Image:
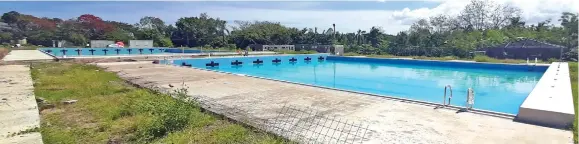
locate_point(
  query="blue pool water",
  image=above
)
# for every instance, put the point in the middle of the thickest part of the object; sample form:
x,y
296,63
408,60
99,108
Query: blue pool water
x,y
498,87
75,52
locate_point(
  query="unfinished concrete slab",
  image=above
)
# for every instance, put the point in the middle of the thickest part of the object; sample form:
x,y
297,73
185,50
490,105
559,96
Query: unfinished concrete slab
x,y
551,101
390,121
18,108
26,55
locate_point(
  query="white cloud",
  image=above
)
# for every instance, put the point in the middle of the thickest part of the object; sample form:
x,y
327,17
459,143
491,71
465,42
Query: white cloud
x,y
392,21
306,15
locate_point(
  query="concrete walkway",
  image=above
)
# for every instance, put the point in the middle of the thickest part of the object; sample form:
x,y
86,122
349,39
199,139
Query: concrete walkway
x,y
18,109
390,121
26,55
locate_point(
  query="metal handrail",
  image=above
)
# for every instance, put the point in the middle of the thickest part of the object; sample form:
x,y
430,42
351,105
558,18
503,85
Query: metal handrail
x,y
449,88
469,99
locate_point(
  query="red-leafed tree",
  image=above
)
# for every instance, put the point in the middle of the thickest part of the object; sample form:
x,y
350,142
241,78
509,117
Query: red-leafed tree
x,y
43,23
36,30
40,30
94,26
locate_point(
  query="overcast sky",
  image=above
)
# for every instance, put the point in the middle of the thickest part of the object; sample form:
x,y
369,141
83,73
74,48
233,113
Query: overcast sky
x,y
349,16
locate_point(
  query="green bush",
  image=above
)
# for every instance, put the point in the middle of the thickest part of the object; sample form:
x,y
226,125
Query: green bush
x,y
551,60
232,46
570,56
480,58
573,75
110,110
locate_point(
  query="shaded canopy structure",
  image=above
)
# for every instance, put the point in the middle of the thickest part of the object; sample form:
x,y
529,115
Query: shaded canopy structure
x,y
525,48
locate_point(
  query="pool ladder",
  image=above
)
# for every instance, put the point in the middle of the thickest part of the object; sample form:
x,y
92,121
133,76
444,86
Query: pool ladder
x,y
532,66
447,88
469,98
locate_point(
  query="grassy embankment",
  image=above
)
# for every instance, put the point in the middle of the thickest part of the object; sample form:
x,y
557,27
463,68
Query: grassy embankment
x,y
573,73
110,111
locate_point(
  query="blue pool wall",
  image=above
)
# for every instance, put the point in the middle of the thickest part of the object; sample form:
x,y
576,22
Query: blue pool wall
x,y
226,61
473,65
112,51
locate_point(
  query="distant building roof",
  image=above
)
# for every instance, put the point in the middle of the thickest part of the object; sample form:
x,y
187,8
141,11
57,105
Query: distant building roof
x,y
528,43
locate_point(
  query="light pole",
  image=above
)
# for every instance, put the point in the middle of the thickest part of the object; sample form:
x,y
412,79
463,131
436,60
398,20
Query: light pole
x,y
334,39
334,25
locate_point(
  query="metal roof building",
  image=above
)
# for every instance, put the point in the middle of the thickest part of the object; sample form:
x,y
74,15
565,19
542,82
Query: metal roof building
x,y
525,48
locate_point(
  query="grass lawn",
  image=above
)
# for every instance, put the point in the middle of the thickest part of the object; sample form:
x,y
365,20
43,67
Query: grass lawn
x,y
573,73
110,111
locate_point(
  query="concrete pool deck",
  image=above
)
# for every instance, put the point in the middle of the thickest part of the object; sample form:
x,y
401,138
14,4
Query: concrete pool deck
x,y
18,108
390,121
26,55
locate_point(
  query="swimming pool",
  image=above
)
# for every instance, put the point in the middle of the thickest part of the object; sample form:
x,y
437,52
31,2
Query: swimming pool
x,y
76,52
498,87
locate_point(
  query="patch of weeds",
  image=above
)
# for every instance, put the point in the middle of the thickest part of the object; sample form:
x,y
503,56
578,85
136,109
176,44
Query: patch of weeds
x,y
45,105
480,58
230,134
573,76
109,110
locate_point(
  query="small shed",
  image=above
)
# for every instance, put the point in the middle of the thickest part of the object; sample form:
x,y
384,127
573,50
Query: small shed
x,y
100,43
525,48
140,43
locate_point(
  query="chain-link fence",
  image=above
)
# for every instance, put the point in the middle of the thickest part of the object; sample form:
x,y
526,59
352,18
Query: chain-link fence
x,y
296,124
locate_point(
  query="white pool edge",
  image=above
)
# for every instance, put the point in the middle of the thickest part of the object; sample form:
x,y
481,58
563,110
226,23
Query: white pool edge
x,y
550,103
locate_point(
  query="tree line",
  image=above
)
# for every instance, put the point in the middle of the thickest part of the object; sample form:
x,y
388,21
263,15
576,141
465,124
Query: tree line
x,y
480,24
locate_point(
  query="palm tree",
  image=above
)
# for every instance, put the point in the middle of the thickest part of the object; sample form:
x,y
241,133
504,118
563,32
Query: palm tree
x,y
315,35
362,35
373,36
358,36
